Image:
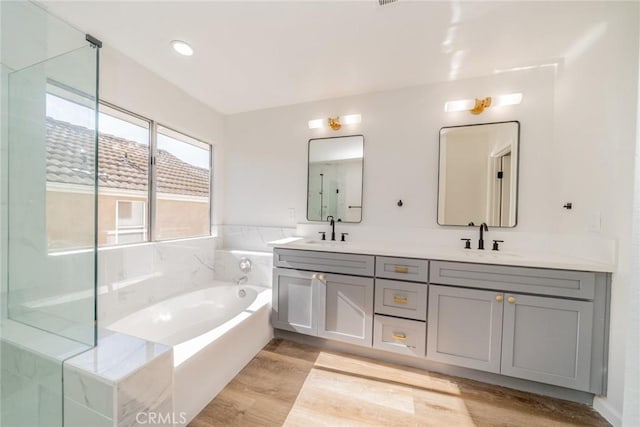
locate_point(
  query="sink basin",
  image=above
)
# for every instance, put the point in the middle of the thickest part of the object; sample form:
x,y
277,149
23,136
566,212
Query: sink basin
x,y
486,254
327,243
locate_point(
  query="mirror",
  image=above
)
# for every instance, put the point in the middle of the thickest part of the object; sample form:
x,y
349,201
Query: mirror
x,y
334,184
478,174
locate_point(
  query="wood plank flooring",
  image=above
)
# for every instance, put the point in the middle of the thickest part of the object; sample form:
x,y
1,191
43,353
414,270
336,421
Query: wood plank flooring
x,y
291,384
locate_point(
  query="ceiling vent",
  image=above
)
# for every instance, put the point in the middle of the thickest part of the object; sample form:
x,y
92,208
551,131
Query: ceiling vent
x,y
386,2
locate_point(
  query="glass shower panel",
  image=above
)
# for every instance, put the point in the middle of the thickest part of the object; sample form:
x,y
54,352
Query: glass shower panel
x,y
48,197
51,196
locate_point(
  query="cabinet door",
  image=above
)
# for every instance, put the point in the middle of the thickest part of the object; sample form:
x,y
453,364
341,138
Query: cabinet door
x,y
464,327
547,340
293,300
345,308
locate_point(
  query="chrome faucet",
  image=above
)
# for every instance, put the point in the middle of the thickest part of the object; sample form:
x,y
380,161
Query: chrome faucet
x,y
242,280
332,223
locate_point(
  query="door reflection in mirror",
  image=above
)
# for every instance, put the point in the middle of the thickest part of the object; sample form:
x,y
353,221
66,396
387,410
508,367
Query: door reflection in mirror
x,y
334,185
478,174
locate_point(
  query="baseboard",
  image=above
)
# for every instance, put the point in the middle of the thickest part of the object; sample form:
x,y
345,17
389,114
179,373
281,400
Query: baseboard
x,y
608,412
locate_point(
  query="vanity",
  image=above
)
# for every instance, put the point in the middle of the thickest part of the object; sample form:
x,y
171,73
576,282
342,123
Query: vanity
x,y
537,322
531,322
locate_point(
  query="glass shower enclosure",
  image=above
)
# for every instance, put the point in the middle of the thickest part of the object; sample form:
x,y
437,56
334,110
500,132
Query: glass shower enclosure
x,y
48,210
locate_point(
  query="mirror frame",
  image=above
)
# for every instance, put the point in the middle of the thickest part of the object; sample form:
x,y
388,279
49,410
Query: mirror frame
x,y
308,178
517,199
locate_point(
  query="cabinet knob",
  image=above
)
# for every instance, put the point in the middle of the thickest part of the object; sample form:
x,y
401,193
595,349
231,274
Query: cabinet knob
x,y
314,276
499,298
321,277
511,300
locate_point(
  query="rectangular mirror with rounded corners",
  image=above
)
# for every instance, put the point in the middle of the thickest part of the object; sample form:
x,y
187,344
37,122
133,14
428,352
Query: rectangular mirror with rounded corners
x,y
334,183
478,174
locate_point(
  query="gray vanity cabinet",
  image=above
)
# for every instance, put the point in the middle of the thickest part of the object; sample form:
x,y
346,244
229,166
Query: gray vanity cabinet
x,y
345,308
315,294
548,340
464,327
293,301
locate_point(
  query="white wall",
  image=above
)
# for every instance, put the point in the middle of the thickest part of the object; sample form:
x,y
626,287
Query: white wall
x,y
631,413
577,145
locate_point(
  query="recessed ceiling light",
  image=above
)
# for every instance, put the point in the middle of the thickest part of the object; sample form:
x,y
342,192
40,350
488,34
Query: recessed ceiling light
x,y
182,48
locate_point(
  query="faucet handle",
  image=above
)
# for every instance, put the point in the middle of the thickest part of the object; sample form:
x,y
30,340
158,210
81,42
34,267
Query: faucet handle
x,y
343,239
467,244
495,244
324,235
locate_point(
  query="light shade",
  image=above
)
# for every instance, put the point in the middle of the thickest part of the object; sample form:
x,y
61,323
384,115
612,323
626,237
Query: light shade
x,y
351,119
509,99
317,123
460,105
183,48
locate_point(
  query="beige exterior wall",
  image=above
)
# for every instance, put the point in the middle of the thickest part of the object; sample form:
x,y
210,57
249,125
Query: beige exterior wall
x,y
70,219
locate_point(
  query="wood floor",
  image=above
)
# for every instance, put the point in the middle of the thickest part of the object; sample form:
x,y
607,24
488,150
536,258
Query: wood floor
x,y
297,385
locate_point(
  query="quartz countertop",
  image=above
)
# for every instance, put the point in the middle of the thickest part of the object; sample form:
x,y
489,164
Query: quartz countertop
x,y
487,256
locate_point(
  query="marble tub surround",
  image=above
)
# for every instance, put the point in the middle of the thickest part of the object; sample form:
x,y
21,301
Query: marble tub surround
x,y
111,384
519,248
251,237
228,270
134,276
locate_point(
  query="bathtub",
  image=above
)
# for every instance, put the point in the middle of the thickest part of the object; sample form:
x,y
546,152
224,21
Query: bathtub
x,y
214,333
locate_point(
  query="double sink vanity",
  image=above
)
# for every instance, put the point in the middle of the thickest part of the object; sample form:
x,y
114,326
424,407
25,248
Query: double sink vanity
x,y
538,322
500,313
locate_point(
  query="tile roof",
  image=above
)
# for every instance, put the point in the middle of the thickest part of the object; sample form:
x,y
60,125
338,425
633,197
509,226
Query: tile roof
x,y
123,164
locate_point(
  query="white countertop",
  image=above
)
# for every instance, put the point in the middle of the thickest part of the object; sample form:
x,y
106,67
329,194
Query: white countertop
x,y
521,259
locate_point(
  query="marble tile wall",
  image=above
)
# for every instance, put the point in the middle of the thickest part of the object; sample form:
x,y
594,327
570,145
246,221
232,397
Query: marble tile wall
x,y
251,238
228,270
133,277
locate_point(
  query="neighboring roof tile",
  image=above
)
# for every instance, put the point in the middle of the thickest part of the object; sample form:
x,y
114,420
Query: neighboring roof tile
x,y
123,163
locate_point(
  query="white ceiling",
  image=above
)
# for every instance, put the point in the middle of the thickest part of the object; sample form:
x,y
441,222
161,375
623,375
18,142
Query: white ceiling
x,y
255,55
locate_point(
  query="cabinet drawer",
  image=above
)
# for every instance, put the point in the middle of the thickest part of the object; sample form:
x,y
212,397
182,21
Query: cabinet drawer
x,y
560,283
329,262
415,270
402,299
399,335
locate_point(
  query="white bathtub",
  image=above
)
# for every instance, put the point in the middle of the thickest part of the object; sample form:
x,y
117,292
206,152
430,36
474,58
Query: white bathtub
x,y
214,332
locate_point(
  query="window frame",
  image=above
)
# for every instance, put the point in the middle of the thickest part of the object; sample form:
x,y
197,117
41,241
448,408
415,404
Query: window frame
x,y
153,205
149,202
152,187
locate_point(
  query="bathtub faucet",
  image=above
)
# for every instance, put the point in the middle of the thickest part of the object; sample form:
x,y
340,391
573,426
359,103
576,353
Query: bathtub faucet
x,y
241,280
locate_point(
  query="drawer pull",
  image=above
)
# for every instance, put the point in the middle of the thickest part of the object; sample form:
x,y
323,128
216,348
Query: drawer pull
x,y
399,300
399,336
401,269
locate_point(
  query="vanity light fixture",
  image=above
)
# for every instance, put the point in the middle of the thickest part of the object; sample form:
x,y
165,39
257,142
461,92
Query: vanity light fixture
x,y
477,106
335,123
183,48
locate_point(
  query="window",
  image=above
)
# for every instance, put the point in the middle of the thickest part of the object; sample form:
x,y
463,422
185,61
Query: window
x,y
131,221
70,174
183,186
138,200
123,177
